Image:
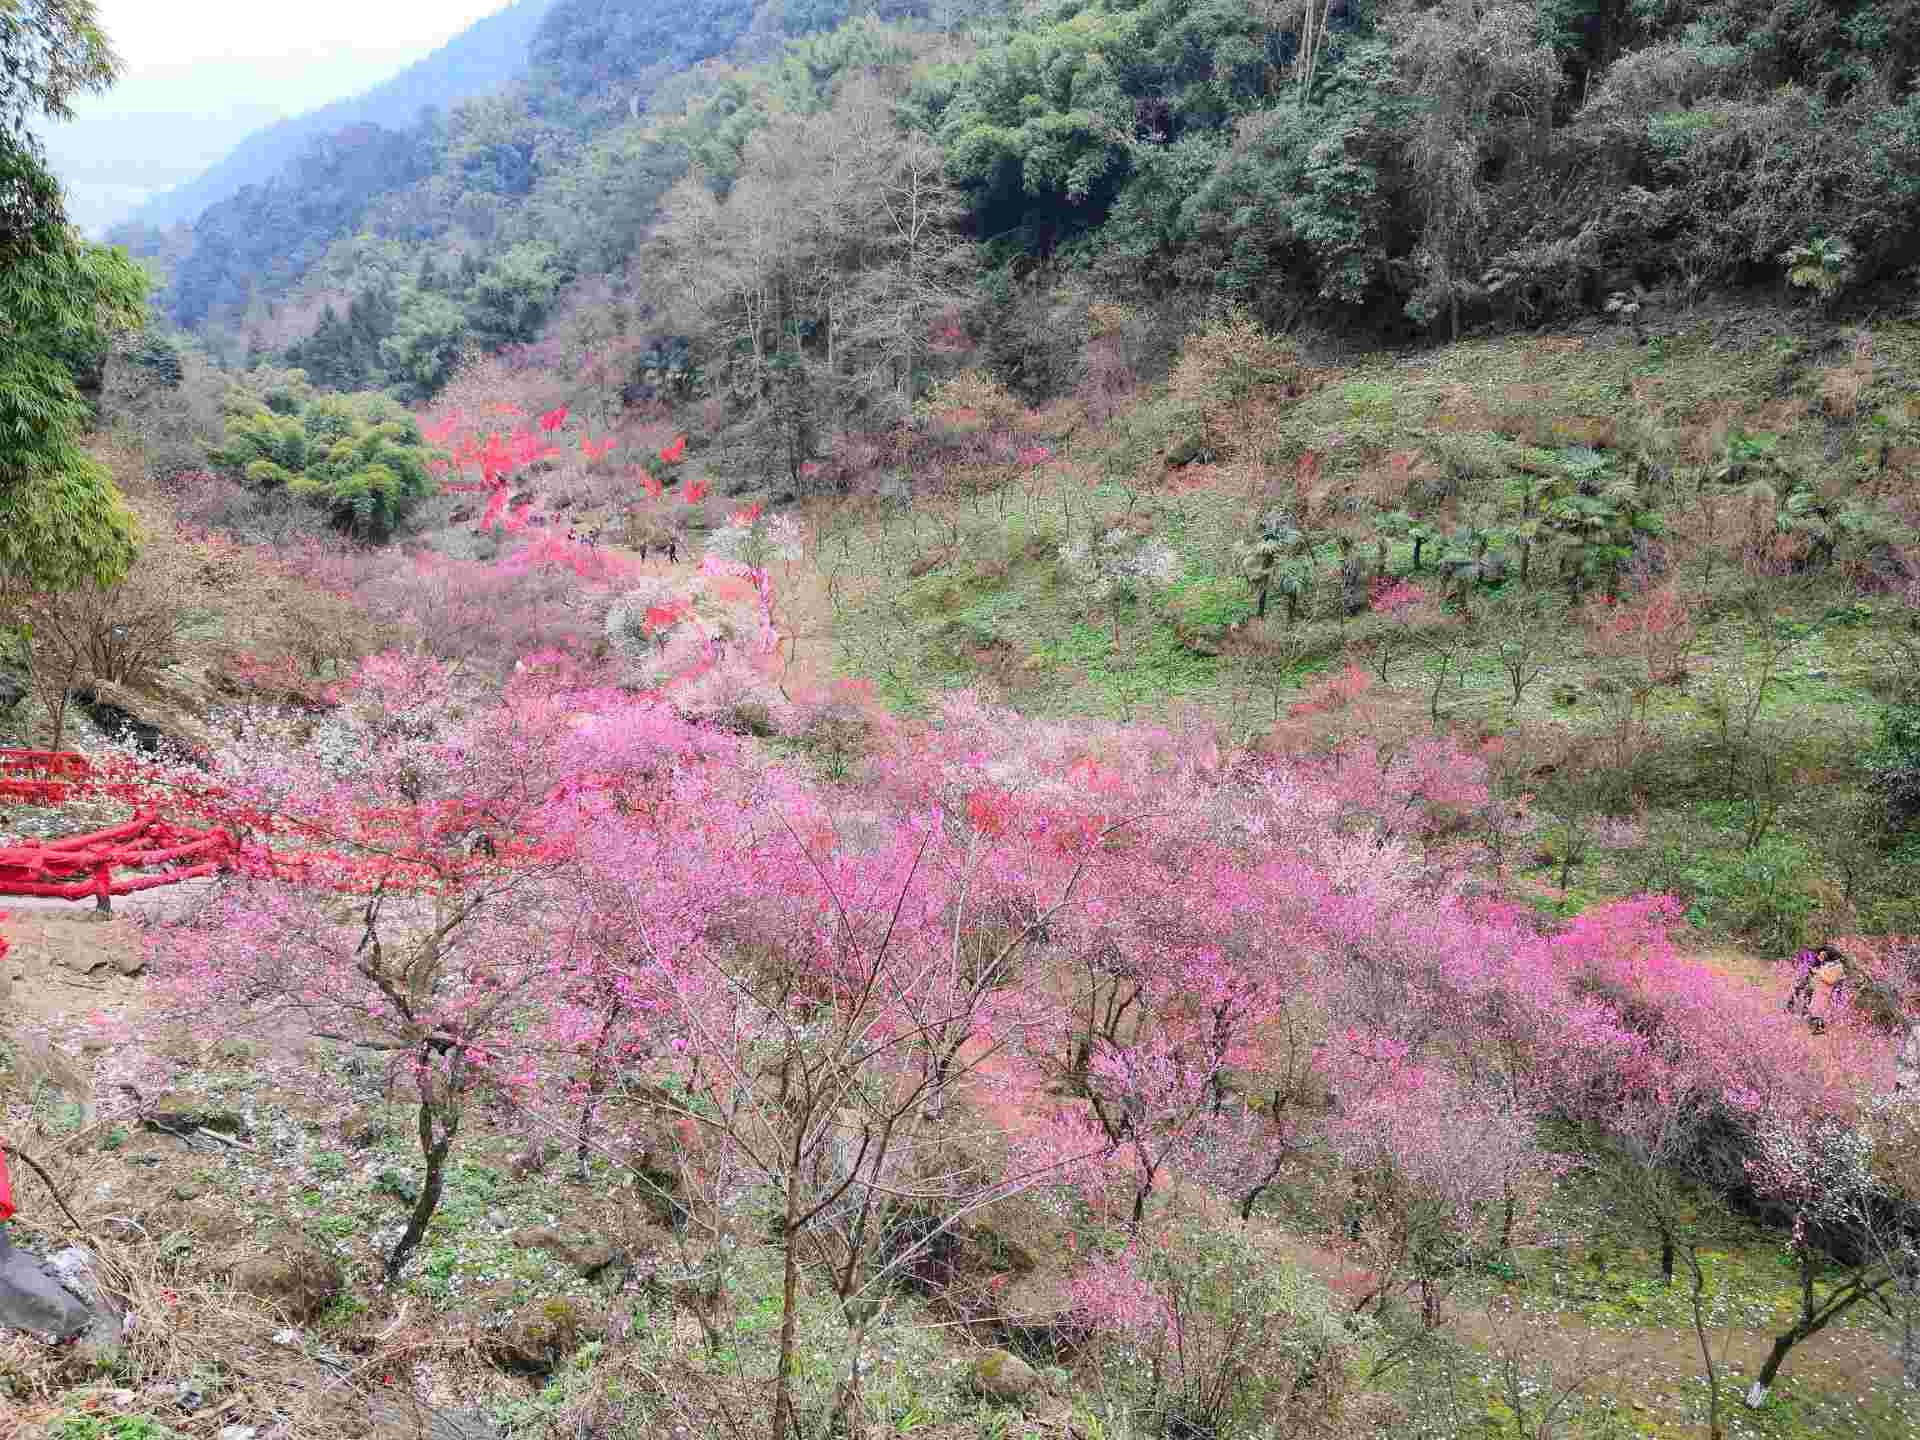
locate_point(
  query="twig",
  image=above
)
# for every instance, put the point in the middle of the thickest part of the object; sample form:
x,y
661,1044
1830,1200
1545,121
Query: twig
x,y
47,1180
198,1130
360,1044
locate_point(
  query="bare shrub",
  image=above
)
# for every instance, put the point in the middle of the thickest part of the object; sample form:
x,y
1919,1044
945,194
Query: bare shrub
x,y
1110,379
120,633
209,503
1217,1338
1228,359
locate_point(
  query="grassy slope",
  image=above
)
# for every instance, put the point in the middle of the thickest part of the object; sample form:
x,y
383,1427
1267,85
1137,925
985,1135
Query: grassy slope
x,y
973,591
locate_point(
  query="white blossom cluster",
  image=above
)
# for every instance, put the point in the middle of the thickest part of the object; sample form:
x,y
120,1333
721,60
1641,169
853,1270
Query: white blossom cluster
x,y
1121,560
338,741
785,540
731,542
1157,563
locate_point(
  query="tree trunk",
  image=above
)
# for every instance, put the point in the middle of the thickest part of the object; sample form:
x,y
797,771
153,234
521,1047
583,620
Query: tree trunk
x,y
1776,1357
596,1082
1909,1288
1429,1304
1813,1319
789,1302
1706,1349
56,697
848,1407
434,1150
1253,1195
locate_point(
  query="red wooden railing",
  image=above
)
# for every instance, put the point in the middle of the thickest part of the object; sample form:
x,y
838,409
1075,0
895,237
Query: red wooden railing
x,y
41,777
229,837
82,866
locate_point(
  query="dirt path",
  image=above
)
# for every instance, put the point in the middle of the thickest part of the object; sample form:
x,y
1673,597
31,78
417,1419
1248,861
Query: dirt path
x,y
61,961
1644,1363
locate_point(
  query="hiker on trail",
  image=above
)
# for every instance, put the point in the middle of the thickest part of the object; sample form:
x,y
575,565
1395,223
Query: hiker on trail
x,y
1822,965
673,550
1801,996
643,552
573,535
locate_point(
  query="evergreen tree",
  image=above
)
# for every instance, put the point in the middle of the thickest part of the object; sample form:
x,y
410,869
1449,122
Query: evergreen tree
x,y
62,522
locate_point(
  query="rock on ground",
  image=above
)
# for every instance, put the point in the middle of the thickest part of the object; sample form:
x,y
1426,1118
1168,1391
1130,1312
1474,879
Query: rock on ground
x,y
100,1339
33,1299
300,1281
587,1254
162,718
537,1339
1004,1377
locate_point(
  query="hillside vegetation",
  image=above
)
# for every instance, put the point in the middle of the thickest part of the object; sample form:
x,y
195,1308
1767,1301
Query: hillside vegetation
x,y
1396,168
1156,721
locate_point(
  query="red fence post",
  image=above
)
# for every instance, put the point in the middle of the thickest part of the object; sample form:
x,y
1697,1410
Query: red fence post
x,y
6,1183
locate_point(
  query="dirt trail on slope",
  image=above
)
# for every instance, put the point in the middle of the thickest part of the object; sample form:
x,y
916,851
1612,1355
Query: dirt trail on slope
x,y
1644,1363
62,962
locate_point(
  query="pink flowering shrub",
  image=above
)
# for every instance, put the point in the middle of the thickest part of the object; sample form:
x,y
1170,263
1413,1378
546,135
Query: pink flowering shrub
x,y
1216,1337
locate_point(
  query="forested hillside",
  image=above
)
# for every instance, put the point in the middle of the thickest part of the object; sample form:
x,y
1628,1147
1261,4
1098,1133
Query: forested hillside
x,y
478,61
1396,169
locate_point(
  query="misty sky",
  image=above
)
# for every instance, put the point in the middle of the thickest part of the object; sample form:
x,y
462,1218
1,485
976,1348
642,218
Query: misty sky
x,y
201,74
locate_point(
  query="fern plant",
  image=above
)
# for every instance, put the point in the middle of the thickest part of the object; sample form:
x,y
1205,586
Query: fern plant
x,y
1823,265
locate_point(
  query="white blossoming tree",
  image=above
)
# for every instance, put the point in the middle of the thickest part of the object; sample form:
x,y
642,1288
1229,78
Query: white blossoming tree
x,y
1119,569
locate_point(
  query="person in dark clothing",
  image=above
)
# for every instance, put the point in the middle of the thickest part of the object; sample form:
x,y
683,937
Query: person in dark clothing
x,y
1808,967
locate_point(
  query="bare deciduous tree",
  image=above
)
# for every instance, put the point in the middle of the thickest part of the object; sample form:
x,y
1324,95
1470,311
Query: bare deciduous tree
x,y
1469,65
818,277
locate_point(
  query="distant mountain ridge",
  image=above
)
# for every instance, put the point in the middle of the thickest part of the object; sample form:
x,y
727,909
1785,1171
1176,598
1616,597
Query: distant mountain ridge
x,y
484,58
